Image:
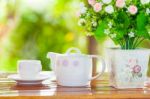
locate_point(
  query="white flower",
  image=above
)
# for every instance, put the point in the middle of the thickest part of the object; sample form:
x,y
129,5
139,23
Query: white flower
x,y
94,23
120,3
82,4
145,1
147,11
110,24
81,22
83,9
89,34
132,9
97,7
131,34
109,9
106,1
112,35
106,31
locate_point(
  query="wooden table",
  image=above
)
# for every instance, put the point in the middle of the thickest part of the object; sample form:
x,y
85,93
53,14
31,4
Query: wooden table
x,y
99,89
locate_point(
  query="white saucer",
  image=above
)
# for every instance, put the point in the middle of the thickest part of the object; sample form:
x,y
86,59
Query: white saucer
x,y
20,81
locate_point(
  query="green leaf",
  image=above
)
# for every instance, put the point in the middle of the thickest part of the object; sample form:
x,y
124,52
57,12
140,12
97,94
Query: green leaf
x,y
120,33
143,33
122,20
99,32
141,22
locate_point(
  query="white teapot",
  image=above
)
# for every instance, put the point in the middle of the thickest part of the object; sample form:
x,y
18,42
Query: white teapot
x,y
74,69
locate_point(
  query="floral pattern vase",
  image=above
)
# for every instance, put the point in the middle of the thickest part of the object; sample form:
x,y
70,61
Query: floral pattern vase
x,y
128,68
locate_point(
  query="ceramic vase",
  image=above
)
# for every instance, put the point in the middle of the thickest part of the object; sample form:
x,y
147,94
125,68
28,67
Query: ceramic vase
x,y
128,68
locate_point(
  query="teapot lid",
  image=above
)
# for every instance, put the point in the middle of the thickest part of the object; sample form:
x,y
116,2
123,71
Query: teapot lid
x,y
76,53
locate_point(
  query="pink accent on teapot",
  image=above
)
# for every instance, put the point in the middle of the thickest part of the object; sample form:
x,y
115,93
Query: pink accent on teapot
x,y
75,63
65,62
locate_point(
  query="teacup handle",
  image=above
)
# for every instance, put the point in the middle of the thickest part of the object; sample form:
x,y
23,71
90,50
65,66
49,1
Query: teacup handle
x,y
103,66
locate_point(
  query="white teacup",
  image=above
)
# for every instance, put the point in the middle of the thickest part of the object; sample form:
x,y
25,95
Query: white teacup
x,y
29,69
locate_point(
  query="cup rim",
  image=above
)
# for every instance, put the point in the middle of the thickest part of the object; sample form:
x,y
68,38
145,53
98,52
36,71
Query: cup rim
x,y
28,60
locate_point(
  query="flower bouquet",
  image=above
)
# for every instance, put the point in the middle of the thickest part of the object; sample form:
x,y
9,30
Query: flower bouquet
x,y
127,23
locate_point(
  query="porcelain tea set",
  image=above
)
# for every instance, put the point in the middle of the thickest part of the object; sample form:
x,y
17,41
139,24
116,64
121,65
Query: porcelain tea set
x,y
71,69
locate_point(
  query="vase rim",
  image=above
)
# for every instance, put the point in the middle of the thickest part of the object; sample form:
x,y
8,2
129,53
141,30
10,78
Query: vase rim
x,y
118,48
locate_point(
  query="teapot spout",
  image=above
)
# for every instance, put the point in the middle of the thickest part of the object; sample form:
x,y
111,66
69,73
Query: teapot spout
x,y
52,57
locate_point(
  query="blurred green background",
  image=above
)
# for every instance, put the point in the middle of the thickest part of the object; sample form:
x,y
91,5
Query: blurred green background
x,y
31,28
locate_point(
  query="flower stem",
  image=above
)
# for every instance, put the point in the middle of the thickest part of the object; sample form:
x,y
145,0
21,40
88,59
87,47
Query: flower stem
x,y
140,41
135,42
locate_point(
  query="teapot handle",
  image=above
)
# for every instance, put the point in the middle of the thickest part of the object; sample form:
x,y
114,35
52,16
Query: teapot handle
x,y
103,66
73,49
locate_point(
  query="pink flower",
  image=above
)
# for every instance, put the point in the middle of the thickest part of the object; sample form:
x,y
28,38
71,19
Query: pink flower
x,y
132,9
133,62
136,69
78,14
97,7
120,3
91,2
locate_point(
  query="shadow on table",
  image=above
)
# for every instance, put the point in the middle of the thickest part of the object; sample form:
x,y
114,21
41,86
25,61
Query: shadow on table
x,y
30,87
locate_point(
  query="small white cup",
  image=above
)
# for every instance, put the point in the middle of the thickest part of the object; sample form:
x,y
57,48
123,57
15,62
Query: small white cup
x,y
29,69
